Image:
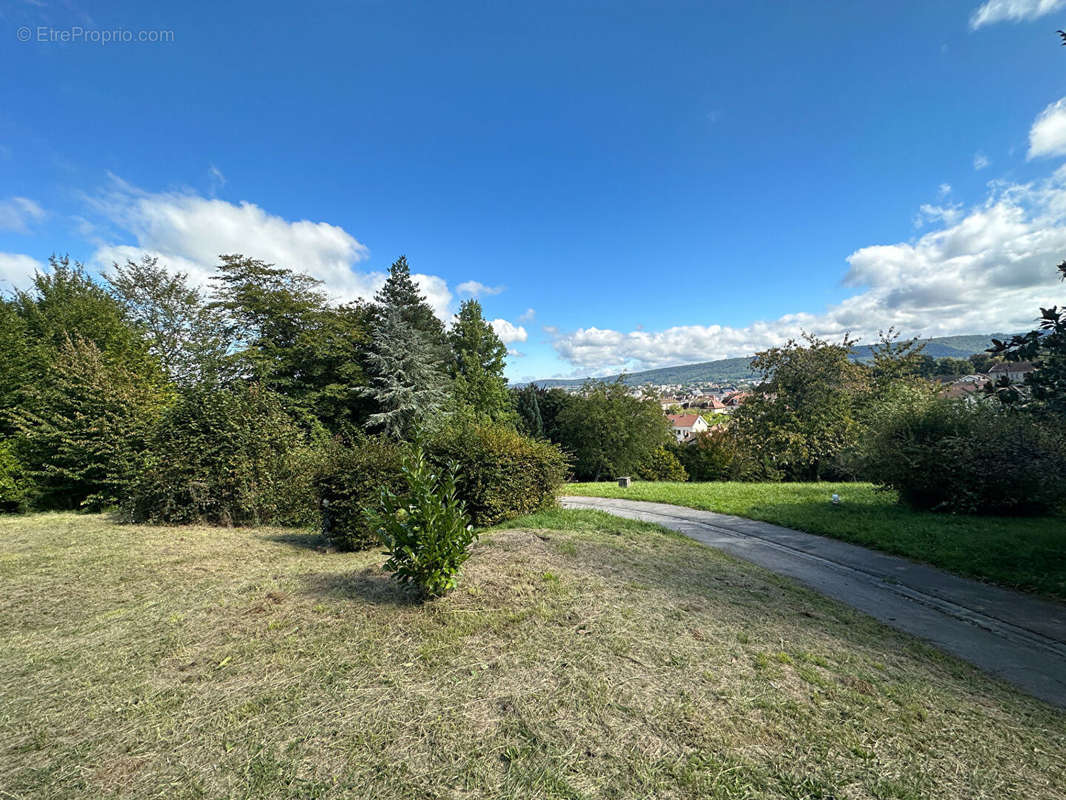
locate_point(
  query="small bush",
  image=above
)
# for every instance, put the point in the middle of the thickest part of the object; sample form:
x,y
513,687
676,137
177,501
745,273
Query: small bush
x,y
350,481
950,455
504,474
662,465
14,486
425,529
230,456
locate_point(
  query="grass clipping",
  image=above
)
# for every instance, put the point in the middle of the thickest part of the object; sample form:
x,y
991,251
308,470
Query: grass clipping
x,y
581,656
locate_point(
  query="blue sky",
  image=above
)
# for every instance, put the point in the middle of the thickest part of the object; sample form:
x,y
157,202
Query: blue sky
x,y
624,185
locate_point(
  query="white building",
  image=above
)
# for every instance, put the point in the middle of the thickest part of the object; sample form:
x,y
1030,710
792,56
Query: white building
x,y
687,426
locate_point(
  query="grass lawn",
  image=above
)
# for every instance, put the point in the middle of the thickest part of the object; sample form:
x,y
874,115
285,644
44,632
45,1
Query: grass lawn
x,y
1028,554
582,656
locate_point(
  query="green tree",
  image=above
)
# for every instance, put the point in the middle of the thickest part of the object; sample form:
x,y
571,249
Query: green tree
x,y
895,360
608,431
182,332
951,367
527,406
981,362
1045,347
478,361
80,428
407,384
407,359
401,292
283,332
805,412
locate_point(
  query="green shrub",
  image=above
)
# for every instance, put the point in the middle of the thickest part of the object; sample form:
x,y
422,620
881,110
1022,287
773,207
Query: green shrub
x,y
229,456
350,481
504,474
424,529
951,455
662,465
717,455
80,429
14,487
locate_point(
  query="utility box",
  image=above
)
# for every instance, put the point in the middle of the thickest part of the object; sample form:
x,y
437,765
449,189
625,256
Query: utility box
x,y
624,482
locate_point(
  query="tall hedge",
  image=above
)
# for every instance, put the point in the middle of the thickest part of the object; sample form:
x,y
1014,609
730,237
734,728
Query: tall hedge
x,y
14,487
349,482
502,474
229,456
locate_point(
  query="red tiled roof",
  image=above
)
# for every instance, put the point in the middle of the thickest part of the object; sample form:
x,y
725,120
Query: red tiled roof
x,y
683,420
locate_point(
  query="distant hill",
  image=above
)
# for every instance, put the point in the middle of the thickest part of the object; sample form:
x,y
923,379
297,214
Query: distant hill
x,y
732,370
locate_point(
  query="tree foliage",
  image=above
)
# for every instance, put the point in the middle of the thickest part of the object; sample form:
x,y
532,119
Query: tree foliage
x,y
477,364
1045,347
805,412
182,332
406,359
79,428
228,455
424,528
608,431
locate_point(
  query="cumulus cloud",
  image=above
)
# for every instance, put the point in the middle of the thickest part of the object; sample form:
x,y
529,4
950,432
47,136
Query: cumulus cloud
x,y
18,214
988,268
188,232
1047,137
509,333
17,270
527,316
980,160
476,289
993,11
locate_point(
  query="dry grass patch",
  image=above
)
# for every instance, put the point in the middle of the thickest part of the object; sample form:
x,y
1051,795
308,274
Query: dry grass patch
x,y
582,656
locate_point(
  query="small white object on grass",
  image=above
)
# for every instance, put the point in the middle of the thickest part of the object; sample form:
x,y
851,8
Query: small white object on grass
x,y
836,499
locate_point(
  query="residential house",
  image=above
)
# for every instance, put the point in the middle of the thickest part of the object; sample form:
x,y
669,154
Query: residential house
x,y
686,426
1014,370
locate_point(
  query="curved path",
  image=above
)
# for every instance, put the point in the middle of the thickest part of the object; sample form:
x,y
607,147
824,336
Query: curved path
x,y
1013,636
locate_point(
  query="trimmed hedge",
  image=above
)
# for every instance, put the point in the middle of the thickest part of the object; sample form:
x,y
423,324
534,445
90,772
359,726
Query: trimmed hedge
x,y
229,456
502,474
350,482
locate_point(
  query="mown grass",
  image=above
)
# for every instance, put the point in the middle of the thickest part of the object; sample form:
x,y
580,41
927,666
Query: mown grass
x,y
1026,554
582,656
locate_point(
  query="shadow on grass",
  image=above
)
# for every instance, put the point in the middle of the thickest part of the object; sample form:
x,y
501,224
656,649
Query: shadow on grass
x,y
368,585
309,540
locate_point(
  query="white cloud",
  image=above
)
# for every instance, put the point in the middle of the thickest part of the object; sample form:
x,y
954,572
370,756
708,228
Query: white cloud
x,y
980,160
18,214
515,353
215,178
989,268
944,189
527,316
946,213
1047,137
476,289
509,333
188,232
17,270
1012,10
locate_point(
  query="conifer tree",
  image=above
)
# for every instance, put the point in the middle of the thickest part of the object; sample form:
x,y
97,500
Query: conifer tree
x,y
406,381
402,293
528,407
478,360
